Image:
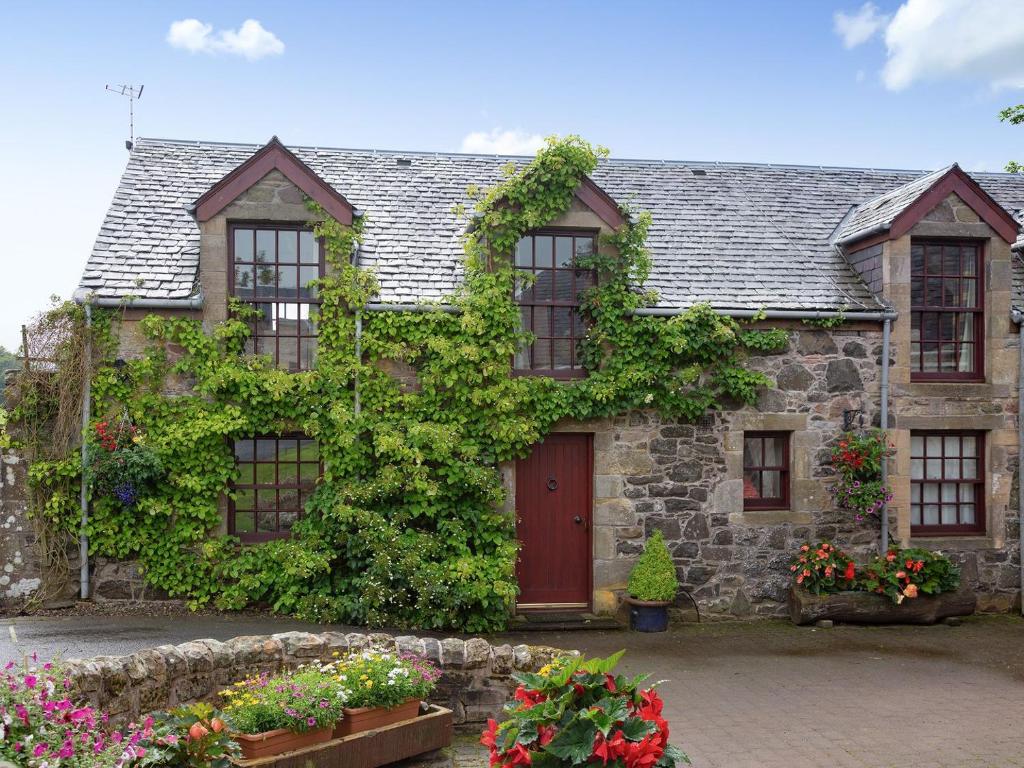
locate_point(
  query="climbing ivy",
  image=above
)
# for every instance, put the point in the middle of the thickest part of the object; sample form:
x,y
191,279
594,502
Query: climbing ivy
x,y
407,526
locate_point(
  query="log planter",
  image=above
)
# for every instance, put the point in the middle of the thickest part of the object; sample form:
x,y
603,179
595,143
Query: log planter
x,y
871,608
427,732
367,718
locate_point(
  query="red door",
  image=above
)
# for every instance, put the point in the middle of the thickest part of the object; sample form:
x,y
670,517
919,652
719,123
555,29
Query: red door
x,y
553,503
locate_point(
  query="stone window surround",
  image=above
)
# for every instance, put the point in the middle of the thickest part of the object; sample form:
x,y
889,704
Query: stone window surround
x,y
773,503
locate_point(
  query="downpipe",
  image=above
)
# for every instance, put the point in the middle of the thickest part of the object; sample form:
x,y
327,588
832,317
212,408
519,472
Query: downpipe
x,y
83,539
883,396
1018,318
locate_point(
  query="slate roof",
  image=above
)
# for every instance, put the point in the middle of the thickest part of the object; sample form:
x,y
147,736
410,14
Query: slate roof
x,y
741,236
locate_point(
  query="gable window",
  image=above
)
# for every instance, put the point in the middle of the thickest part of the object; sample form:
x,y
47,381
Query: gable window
x,y
766,470
274,478
549,306
947,316
272,267
947,484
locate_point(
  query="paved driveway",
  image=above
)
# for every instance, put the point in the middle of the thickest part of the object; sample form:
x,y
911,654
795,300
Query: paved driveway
x,y
763,695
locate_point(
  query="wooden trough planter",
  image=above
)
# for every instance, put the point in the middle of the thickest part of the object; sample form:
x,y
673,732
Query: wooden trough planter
x,y
871,608
427,732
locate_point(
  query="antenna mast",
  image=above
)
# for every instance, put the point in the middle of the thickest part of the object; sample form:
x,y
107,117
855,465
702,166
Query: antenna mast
x,y
132,93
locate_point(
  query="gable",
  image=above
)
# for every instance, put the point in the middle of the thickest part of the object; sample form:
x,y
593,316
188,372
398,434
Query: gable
x,y
273,156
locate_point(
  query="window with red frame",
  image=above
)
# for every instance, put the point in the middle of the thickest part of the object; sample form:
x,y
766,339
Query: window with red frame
x,y
273,267
766,470
947,311
947,482
274,478
549,304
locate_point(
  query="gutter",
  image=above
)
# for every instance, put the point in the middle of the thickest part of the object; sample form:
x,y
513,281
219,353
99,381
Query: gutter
x,y
189,302
1018,318
878,229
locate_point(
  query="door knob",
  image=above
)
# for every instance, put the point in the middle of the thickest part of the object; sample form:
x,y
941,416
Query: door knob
x,y
552,484
578,520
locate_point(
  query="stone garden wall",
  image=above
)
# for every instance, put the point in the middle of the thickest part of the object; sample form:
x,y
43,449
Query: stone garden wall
x,y
476,682
19,565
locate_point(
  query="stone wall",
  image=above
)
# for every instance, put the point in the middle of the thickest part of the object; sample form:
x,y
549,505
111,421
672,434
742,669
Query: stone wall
x,y
19,566
476,681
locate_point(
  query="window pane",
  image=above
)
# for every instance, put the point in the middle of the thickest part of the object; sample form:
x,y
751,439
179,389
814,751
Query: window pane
x,y
930,492
288,353
266,281
931,514
543,288
306,276
915,493
243,450
752,452
308,473
245,473
771,485
266,499
933,469
562,351
245,280
969,261
309,450
309,249
287,282
948,514
266,521
917,469
265,248
542,321
952,469
967,492
245,498
773,451
543,246
287,246
562,322
287,450
967,514
951,259
915,515
266,450
933,445
969,445
933,259
970,469
563,251
584,247
916,445
968,293
244,522
243,245
524,252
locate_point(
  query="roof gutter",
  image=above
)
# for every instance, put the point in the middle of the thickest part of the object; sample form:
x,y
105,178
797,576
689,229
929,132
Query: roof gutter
x,y
376,307
875,230
776,314
189,302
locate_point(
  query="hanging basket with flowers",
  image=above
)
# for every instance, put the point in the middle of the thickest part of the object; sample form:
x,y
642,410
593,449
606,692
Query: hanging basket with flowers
x,y
857,460
121,465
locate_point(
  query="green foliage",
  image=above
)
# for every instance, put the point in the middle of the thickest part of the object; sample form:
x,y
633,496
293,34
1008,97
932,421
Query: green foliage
x,y
857,460
188,737
908,573
1014,116
654,575
382,679
8,361
822,569
303,700
406,527
575,712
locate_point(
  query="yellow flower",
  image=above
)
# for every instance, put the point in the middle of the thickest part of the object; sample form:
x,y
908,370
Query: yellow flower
x,y
369,683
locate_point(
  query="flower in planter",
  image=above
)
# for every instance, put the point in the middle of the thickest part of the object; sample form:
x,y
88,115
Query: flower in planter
x,y
189,737
381,678
121,465
908,573
303,700
575,712
857,459
823,569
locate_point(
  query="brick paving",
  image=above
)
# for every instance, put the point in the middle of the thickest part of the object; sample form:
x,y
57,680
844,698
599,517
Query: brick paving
x,y
769,695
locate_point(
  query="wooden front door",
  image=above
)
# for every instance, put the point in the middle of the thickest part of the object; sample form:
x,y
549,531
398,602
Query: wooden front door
x,y
553,509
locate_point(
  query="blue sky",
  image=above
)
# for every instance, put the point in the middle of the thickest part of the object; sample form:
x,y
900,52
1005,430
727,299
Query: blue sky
x,y
886,85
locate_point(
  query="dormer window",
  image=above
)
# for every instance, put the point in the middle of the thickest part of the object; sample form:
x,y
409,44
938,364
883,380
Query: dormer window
x,y
273,267
947,311
549,305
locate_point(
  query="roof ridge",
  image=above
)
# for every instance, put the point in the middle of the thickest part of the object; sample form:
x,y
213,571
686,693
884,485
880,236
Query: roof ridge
x,y
491,156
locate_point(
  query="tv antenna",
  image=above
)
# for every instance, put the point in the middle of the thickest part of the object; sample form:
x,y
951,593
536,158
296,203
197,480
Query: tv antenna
x,y
132,93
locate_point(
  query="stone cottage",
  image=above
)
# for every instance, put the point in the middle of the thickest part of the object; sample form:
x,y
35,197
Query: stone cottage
x,y
926,263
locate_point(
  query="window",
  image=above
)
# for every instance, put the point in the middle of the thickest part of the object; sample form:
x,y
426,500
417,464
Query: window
x,y
275,476
549,307
272,267
947,317
947,484
766,470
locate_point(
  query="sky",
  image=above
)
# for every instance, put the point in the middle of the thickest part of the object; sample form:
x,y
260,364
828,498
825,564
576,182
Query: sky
x,y
915,84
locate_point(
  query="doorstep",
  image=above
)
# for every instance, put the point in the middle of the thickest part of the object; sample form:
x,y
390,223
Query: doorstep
x,y
560,621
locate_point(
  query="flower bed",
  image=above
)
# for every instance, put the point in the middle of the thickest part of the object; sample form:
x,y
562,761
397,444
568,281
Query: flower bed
x,y
574,712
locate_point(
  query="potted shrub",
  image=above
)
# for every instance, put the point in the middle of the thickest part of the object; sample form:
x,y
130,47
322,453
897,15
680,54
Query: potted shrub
x,y
575,712
652,587
271,715
380,688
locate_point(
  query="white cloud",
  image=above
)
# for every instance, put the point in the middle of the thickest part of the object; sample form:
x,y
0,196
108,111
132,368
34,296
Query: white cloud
x,y
250,40
499,142
937,39
859,27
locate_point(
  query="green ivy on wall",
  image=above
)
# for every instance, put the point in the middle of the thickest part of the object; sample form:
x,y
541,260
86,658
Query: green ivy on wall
x,y
407,526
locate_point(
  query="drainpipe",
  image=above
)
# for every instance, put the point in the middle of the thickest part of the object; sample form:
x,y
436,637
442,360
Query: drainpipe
x,y
359,359
83,540
1018,318
883,395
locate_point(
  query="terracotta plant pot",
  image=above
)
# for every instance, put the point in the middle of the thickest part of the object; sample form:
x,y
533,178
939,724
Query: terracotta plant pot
x,y
368,718
647,615
276,742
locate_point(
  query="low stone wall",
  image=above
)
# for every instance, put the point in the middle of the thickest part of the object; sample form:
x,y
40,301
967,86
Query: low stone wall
x,y
476,682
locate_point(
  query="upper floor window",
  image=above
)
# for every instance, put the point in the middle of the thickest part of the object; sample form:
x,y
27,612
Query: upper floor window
x,y
766,470
273,267
549,306
947,482
274,478
947,311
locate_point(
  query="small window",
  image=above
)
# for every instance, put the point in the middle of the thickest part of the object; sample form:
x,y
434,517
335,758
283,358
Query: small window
x,y
947,312
947,483
274,478
273,267
766,470
549,306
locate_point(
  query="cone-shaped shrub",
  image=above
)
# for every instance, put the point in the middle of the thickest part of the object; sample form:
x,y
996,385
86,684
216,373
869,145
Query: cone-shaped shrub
x,y
654,575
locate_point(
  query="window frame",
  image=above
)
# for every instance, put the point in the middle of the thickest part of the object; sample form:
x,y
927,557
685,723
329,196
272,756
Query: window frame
x,y
778,503
917,310
576,370
277,226
980,483
256,536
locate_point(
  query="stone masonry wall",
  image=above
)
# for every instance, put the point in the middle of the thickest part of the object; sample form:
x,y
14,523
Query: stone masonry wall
x,y
476,681
19,566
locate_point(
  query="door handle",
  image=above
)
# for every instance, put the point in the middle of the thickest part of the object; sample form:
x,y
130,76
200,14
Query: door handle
x,y
552,484
578,520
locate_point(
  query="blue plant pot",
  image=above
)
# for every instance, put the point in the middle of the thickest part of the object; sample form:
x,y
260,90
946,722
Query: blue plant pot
x,y
647,616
